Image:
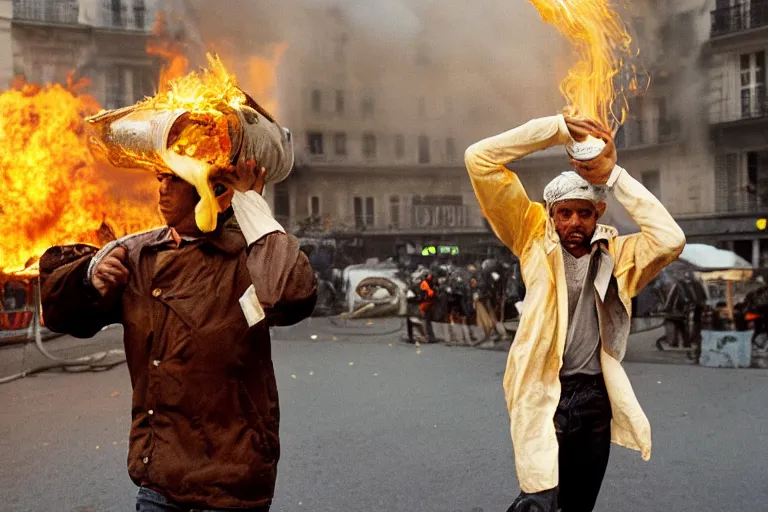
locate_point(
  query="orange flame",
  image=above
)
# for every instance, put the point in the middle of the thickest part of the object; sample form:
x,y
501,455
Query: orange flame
x,y
262,78
169,49
200,92
53,190
593,87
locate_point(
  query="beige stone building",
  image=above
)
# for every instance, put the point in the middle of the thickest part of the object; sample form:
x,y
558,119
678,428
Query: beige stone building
x,y
45,41
380,133
381,122
382,160
697,137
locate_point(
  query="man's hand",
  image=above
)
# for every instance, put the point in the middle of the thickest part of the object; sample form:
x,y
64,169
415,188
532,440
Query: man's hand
x,y
245,176
111,276
599,169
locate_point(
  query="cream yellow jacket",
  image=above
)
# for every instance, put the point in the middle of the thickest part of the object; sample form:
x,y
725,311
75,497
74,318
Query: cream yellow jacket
x,y
531,381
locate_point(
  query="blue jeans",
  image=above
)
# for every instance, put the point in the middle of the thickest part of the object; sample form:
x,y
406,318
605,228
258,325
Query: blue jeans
x,y
152,501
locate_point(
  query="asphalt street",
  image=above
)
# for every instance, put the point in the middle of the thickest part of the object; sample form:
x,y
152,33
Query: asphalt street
x,y
372,424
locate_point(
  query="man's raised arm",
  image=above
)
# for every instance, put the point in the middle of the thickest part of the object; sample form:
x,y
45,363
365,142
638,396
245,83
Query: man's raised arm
x,y
513,216
660,241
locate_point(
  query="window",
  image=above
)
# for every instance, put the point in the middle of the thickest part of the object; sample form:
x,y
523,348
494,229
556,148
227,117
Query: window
x,y
317,101
340,143
314,206
369,145
368,106
282,202
394,211
423,149
450,149
399,146
128,84
752,84
363,212
339,102
116,78
652,181
315,143
339,46
757,180
369,211
117,13
726,182
139,14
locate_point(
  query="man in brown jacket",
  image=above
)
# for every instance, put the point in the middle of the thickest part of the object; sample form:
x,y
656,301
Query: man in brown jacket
x,y
196,310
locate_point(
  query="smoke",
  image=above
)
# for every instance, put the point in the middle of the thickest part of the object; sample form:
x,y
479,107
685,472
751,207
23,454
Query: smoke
x,y
498,61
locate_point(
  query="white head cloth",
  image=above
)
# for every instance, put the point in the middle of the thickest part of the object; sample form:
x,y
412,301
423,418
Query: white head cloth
x,y
569,185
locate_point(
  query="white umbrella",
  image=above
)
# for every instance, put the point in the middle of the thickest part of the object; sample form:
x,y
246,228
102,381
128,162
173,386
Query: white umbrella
x,y
707,258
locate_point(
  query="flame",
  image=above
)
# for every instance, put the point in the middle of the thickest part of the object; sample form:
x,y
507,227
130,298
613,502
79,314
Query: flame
x,y
53,190
257,72
203,92
169,49
262,78
600,38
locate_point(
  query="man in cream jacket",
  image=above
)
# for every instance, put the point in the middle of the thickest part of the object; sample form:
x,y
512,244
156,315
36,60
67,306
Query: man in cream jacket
x,y
567,394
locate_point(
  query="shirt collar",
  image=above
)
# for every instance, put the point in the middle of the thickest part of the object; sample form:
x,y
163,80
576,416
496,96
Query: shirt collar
x,y
602,233
227,238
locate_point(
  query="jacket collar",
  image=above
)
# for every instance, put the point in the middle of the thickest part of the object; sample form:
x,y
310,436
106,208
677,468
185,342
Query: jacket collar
x,y
603,233
227,238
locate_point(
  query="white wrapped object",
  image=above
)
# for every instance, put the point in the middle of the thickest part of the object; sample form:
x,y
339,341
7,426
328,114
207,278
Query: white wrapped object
x,y
254,216
586,149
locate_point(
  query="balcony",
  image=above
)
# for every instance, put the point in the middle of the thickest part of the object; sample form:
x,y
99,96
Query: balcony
x,y
748,110
116,15
739,18
109,14
63,12
637,133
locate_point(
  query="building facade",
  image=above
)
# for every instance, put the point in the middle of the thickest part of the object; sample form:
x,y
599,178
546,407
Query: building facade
x,y
380,132
696,137
105,41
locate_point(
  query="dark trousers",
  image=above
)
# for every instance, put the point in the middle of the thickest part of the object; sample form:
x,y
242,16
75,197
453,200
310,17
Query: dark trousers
x,y
583,427
426,315
149,500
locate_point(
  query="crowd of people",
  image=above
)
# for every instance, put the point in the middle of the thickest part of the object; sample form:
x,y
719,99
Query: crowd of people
x,y
482,294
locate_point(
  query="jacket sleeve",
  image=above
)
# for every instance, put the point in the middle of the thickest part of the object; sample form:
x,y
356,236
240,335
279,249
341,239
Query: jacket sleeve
x,y
282,278
642,256
71,305
513,216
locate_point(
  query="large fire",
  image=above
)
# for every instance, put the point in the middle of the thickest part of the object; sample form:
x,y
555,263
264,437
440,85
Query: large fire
x,y
597,84
54,192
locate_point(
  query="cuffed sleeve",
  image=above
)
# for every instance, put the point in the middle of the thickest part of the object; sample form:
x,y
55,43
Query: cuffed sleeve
x,y
71,305
283,279
254,216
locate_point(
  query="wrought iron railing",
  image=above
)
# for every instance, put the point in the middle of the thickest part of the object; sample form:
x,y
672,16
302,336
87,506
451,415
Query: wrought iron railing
x,y
111,15
742,16
739,110
63,12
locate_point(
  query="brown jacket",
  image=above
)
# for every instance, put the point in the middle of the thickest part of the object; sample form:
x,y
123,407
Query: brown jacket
x,y
205,409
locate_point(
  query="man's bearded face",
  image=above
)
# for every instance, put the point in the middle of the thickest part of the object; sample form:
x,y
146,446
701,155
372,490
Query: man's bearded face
x,y
177,199
576,221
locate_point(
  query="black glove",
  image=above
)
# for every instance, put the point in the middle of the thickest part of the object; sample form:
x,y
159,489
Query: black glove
x,y
545,501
